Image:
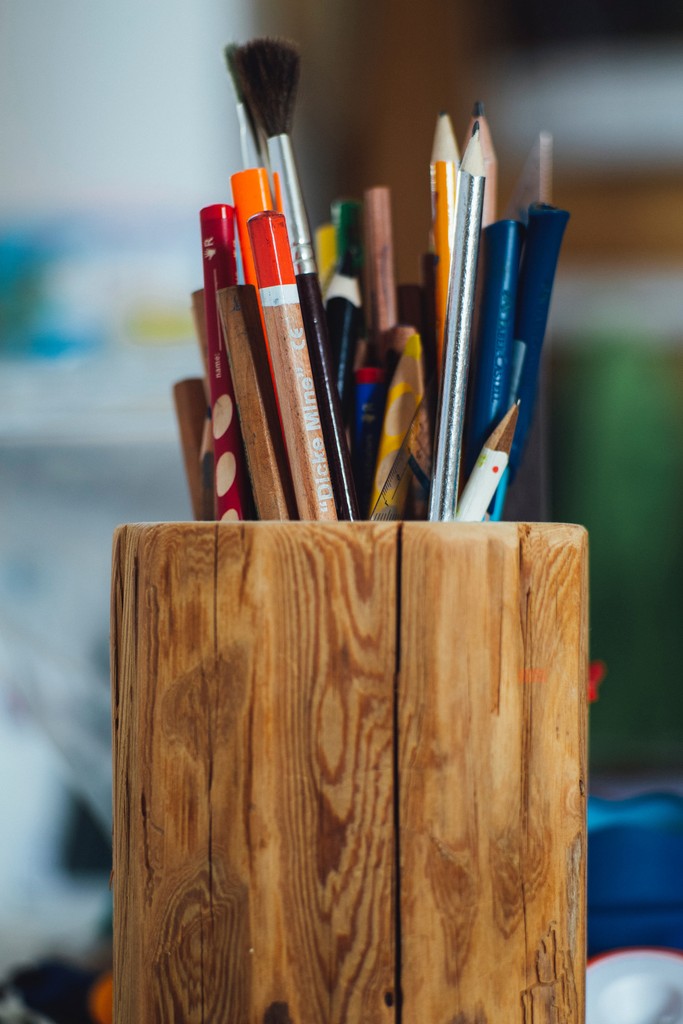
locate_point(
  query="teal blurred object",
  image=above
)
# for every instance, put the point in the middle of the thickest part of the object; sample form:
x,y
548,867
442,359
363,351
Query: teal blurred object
x,y
45,306
660,811
635,882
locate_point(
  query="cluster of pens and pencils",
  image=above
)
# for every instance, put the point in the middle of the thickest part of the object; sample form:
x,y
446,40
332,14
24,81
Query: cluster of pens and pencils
x,y
331,392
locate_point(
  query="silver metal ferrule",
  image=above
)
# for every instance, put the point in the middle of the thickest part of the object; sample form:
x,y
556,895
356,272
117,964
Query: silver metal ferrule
x,y
450,415
283,165
250,157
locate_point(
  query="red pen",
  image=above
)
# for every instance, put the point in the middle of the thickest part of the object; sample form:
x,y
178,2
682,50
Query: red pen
x,y
220,271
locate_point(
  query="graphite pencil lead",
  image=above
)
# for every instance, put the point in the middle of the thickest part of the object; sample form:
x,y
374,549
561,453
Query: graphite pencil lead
x,y
473,158
490,163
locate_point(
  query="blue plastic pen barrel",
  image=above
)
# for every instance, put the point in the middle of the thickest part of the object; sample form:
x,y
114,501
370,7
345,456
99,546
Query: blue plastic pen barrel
x,y
370,395
544,235
501,247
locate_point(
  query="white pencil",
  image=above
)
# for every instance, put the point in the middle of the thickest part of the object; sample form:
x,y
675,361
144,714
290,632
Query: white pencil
x,y
488,470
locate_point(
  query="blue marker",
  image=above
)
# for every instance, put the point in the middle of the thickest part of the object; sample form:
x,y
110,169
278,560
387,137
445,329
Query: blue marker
x,y
544,234
501,247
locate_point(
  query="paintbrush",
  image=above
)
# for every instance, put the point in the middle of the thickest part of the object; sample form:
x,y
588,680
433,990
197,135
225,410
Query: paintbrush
x,y
268,70
248,134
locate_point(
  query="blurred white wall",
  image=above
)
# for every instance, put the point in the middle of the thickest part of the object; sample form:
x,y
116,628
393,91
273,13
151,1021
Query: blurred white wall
x,y
126,102
117,123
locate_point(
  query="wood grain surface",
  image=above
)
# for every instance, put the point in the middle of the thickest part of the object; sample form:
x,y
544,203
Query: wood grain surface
x,y
253,850
283,695
492,773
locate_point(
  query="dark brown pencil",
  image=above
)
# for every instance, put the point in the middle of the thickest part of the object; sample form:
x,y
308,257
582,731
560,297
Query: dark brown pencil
x,y
190,407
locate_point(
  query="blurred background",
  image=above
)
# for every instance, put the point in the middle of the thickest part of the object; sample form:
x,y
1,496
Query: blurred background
x,y
117,124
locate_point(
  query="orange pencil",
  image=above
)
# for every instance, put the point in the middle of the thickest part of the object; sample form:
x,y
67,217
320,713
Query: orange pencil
x,y
289,351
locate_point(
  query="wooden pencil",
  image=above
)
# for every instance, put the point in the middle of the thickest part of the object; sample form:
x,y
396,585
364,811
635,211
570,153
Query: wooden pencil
x,y
206,454
535,182
452,392
488,471
403,397
380,281
396,340
329,402
444,148
287,340
189,401
255,397
446,178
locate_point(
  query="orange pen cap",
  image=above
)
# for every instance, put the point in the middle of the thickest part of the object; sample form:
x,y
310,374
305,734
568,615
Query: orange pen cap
x,y
251,195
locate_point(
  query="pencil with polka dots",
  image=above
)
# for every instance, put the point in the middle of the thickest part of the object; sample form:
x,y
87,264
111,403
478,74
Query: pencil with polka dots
x,y
233,496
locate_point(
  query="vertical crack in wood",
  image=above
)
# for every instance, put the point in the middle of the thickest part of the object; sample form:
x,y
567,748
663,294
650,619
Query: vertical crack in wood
x,y
201,967
527,641
398,993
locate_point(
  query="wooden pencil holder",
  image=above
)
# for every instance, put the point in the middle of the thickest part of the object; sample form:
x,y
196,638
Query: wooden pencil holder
x,y
349,773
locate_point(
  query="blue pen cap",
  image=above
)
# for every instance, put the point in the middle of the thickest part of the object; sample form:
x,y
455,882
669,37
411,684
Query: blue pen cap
x,y
369,401
544,234
501,247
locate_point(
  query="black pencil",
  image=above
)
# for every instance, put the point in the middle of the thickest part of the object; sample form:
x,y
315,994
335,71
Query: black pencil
x,y
344,321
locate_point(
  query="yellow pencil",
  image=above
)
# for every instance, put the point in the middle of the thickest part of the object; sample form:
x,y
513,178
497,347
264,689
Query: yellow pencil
x,y
446,177
404,396
444,164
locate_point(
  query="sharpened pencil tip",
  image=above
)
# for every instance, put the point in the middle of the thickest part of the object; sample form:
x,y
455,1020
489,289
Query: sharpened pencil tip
x,y
444,146
475,128
478,109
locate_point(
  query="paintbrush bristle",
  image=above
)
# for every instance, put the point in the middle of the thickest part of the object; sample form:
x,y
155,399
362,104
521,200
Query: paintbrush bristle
x,y
268,71
232,60
233,70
